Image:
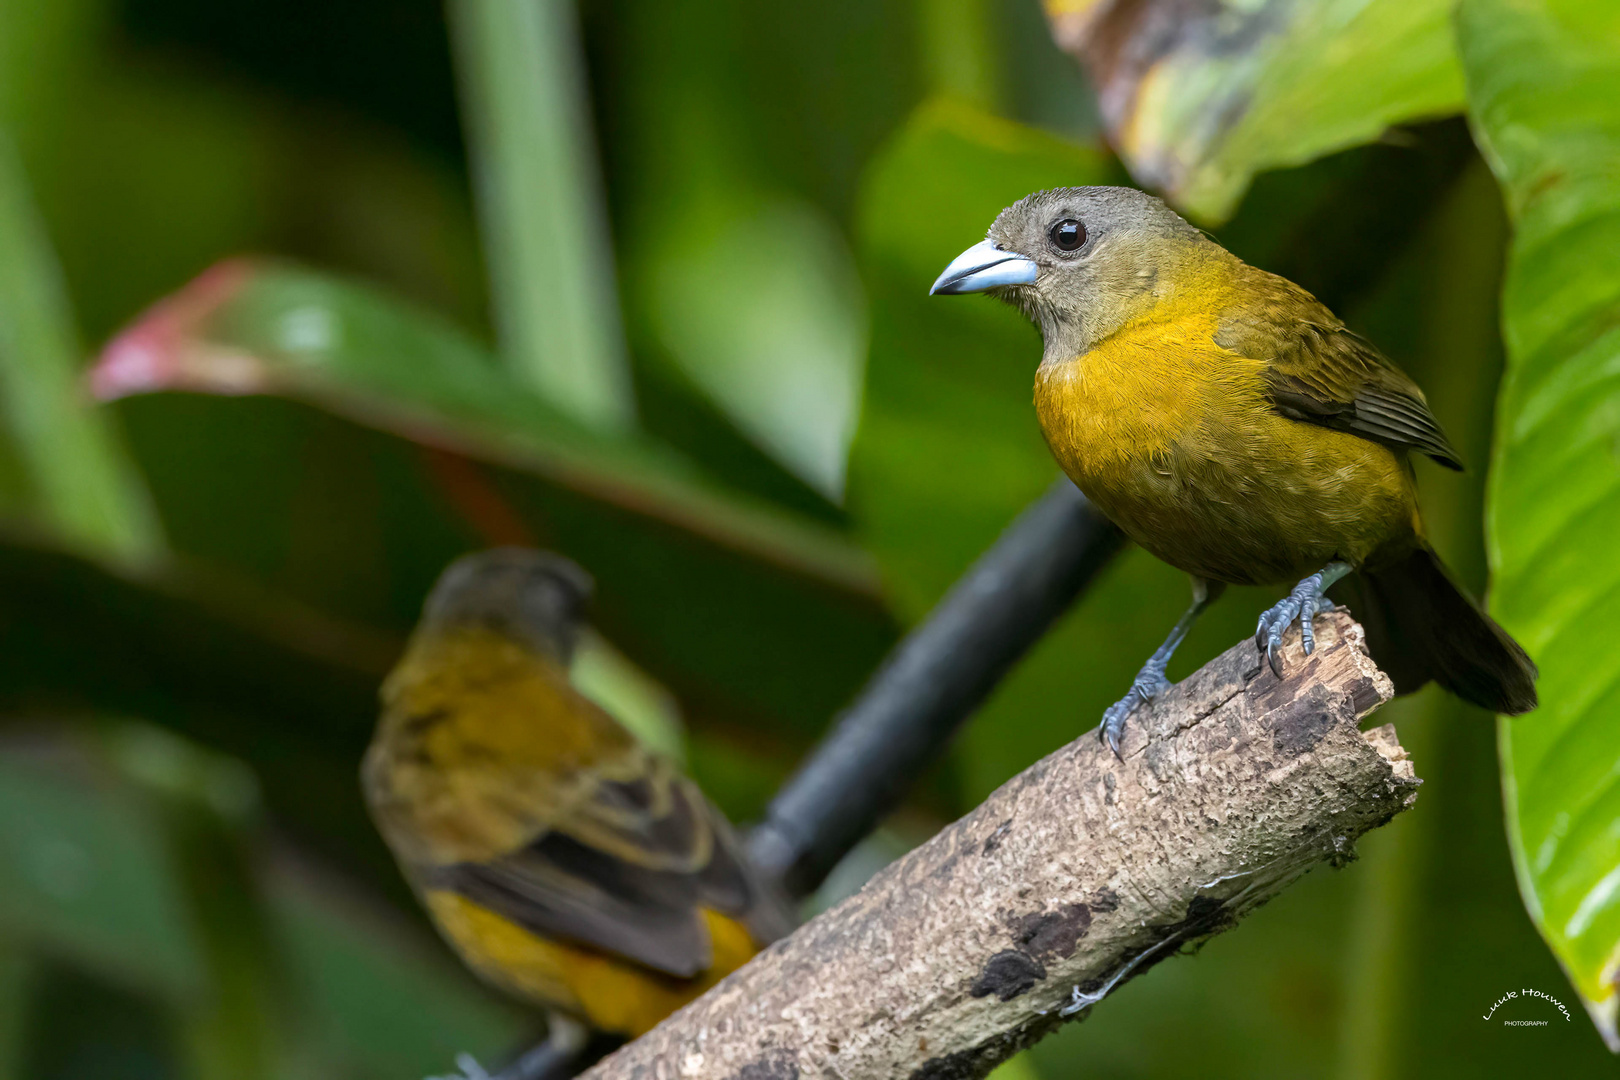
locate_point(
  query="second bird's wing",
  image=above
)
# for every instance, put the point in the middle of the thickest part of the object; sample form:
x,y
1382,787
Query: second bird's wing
x,y
1322,373
625,870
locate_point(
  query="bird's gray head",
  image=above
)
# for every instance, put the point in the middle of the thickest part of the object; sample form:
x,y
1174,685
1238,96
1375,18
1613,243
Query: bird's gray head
x,y
535,597
1080,262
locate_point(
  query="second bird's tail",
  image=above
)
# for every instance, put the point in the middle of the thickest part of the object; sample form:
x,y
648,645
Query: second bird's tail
x,y
1422,625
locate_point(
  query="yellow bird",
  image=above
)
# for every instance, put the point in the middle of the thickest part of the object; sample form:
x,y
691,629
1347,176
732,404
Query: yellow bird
x,y
1231,425
565,862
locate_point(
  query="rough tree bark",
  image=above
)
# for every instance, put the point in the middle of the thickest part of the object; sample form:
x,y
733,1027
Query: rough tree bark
x,y
1077,874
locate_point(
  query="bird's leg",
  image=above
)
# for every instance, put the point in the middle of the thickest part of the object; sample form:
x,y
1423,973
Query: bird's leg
x,y
550,1060
1150,681
554,1058
468,1069
1304,603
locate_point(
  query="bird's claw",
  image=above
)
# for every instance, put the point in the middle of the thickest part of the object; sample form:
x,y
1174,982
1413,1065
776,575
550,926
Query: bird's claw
x,y
1147,686
1303,604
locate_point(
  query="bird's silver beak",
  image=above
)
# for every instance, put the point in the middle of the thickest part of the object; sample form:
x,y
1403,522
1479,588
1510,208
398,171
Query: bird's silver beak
x,y
984,266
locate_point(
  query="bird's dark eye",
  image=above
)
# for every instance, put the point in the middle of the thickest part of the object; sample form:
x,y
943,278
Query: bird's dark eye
x,y
1068,235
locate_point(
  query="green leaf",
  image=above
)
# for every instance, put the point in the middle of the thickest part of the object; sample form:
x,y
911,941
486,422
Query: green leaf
x,y
44,50
1198,103
244,328
1430,888
409,445
734,140
1544,93
206,804
544,228
758,302
609,678
962,53
84,485
85,874
64,464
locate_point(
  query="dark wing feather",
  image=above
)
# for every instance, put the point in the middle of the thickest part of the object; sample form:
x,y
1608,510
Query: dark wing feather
x,y
626,876
1379,413
531,891
1322,373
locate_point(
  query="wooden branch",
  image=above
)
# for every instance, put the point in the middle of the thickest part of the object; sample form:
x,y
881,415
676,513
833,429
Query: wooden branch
x,y
1077,874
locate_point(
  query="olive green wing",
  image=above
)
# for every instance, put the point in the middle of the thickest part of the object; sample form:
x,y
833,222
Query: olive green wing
x,y
626,870
625,873
1335,378
1322,373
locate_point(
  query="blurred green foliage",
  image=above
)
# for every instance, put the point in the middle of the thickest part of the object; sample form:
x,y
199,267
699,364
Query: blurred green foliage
x,y
74,474
523,87
202,583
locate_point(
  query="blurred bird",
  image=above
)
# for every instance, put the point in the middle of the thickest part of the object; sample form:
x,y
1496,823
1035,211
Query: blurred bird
x,y
565,862
1231,425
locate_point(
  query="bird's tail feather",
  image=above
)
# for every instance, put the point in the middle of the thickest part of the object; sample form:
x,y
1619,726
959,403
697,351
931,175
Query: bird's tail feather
x,y
1422,625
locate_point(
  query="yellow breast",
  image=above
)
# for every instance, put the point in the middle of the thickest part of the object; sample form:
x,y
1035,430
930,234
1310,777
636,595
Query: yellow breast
x,y
1174,438
1139,395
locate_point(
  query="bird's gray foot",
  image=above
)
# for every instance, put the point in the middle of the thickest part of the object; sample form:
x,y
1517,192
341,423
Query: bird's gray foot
x,y
555,1058
1303,604
469,1068
1148,685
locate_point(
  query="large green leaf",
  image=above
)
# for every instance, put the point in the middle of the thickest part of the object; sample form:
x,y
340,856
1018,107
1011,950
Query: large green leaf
x,y
1198,101
544,228
1431,888
1544,89
62,463
785,364
734,149
245,328
348,446
81,480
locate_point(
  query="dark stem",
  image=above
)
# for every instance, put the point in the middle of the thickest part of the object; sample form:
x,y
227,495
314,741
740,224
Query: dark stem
x,y
932,681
